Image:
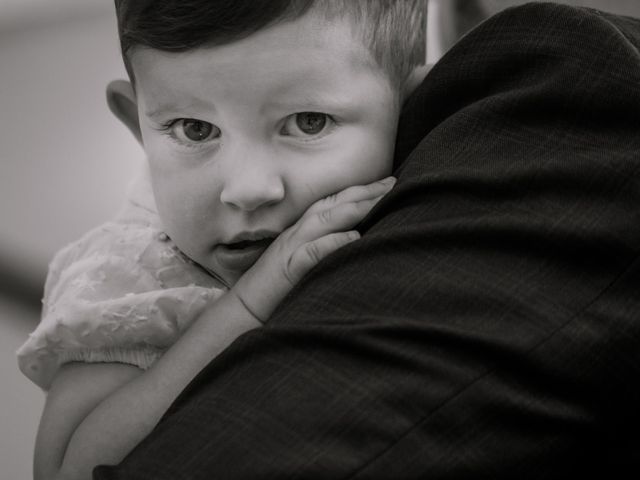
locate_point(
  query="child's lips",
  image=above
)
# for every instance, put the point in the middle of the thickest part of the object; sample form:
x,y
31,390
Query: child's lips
x,y
240,256
241,245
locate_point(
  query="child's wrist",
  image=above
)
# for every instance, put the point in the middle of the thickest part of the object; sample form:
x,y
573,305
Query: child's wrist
x,y
245,305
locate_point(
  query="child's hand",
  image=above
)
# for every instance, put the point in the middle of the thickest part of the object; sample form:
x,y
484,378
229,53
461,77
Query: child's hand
x,y
324,228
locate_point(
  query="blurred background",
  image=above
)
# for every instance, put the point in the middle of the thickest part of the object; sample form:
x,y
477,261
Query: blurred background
x,y
65,162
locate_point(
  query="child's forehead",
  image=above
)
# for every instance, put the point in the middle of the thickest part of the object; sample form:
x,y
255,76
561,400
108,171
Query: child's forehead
x,y
309,46
312,26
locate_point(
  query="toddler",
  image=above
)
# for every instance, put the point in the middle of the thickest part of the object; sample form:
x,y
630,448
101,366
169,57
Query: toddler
x,y
264,124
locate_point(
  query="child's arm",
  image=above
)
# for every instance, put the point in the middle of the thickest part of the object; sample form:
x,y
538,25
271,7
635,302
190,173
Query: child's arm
x,y
96,413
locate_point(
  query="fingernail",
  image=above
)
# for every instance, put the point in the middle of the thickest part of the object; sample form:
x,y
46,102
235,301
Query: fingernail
x,y
353,235
388,181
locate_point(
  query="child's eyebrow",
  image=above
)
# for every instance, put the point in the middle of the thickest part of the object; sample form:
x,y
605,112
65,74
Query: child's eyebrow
x,y
313,103
162,108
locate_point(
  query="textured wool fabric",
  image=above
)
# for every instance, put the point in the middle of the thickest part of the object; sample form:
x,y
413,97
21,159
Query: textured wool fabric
x,y
487,325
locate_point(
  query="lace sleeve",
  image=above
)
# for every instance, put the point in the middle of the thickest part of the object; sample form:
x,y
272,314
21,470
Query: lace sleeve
x,y
122,293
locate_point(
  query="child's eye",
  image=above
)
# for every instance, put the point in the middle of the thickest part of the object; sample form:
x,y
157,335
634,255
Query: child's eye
x,y
190,130
307,124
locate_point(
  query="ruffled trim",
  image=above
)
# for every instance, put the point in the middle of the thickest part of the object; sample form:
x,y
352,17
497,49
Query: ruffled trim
x,y
42,367
142,357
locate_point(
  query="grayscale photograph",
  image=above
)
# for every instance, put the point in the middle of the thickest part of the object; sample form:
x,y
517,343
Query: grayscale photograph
x,y
319,239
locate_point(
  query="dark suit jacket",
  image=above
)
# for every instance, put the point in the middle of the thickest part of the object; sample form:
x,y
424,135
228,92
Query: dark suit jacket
x,y
487,325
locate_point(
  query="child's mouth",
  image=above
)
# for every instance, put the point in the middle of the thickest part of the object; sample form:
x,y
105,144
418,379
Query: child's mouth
x,y
263,243
240,256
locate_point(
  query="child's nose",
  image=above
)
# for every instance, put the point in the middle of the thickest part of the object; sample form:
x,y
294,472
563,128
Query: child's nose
x,y
252,183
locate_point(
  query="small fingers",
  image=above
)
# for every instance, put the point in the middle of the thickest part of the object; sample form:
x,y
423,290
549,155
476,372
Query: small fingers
x,y
308,255
353,194
340,218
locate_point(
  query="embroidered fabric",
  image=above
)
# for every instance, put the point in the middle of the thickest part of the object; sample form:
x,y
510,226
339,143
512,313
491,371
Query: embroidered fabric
x,y
122,293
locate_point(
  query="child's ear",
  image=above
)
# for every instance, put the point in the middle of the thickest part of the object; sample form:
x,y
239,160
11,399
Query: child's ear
x,y
122,103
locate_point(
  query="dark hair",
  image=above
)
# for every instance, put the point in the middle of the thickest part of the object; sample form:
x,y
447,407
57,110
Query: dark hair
x,y
394,31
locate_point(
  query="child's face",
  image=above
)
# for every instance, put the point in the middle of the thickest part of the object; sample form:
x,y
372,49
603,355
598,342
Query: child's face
x,y
233,155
